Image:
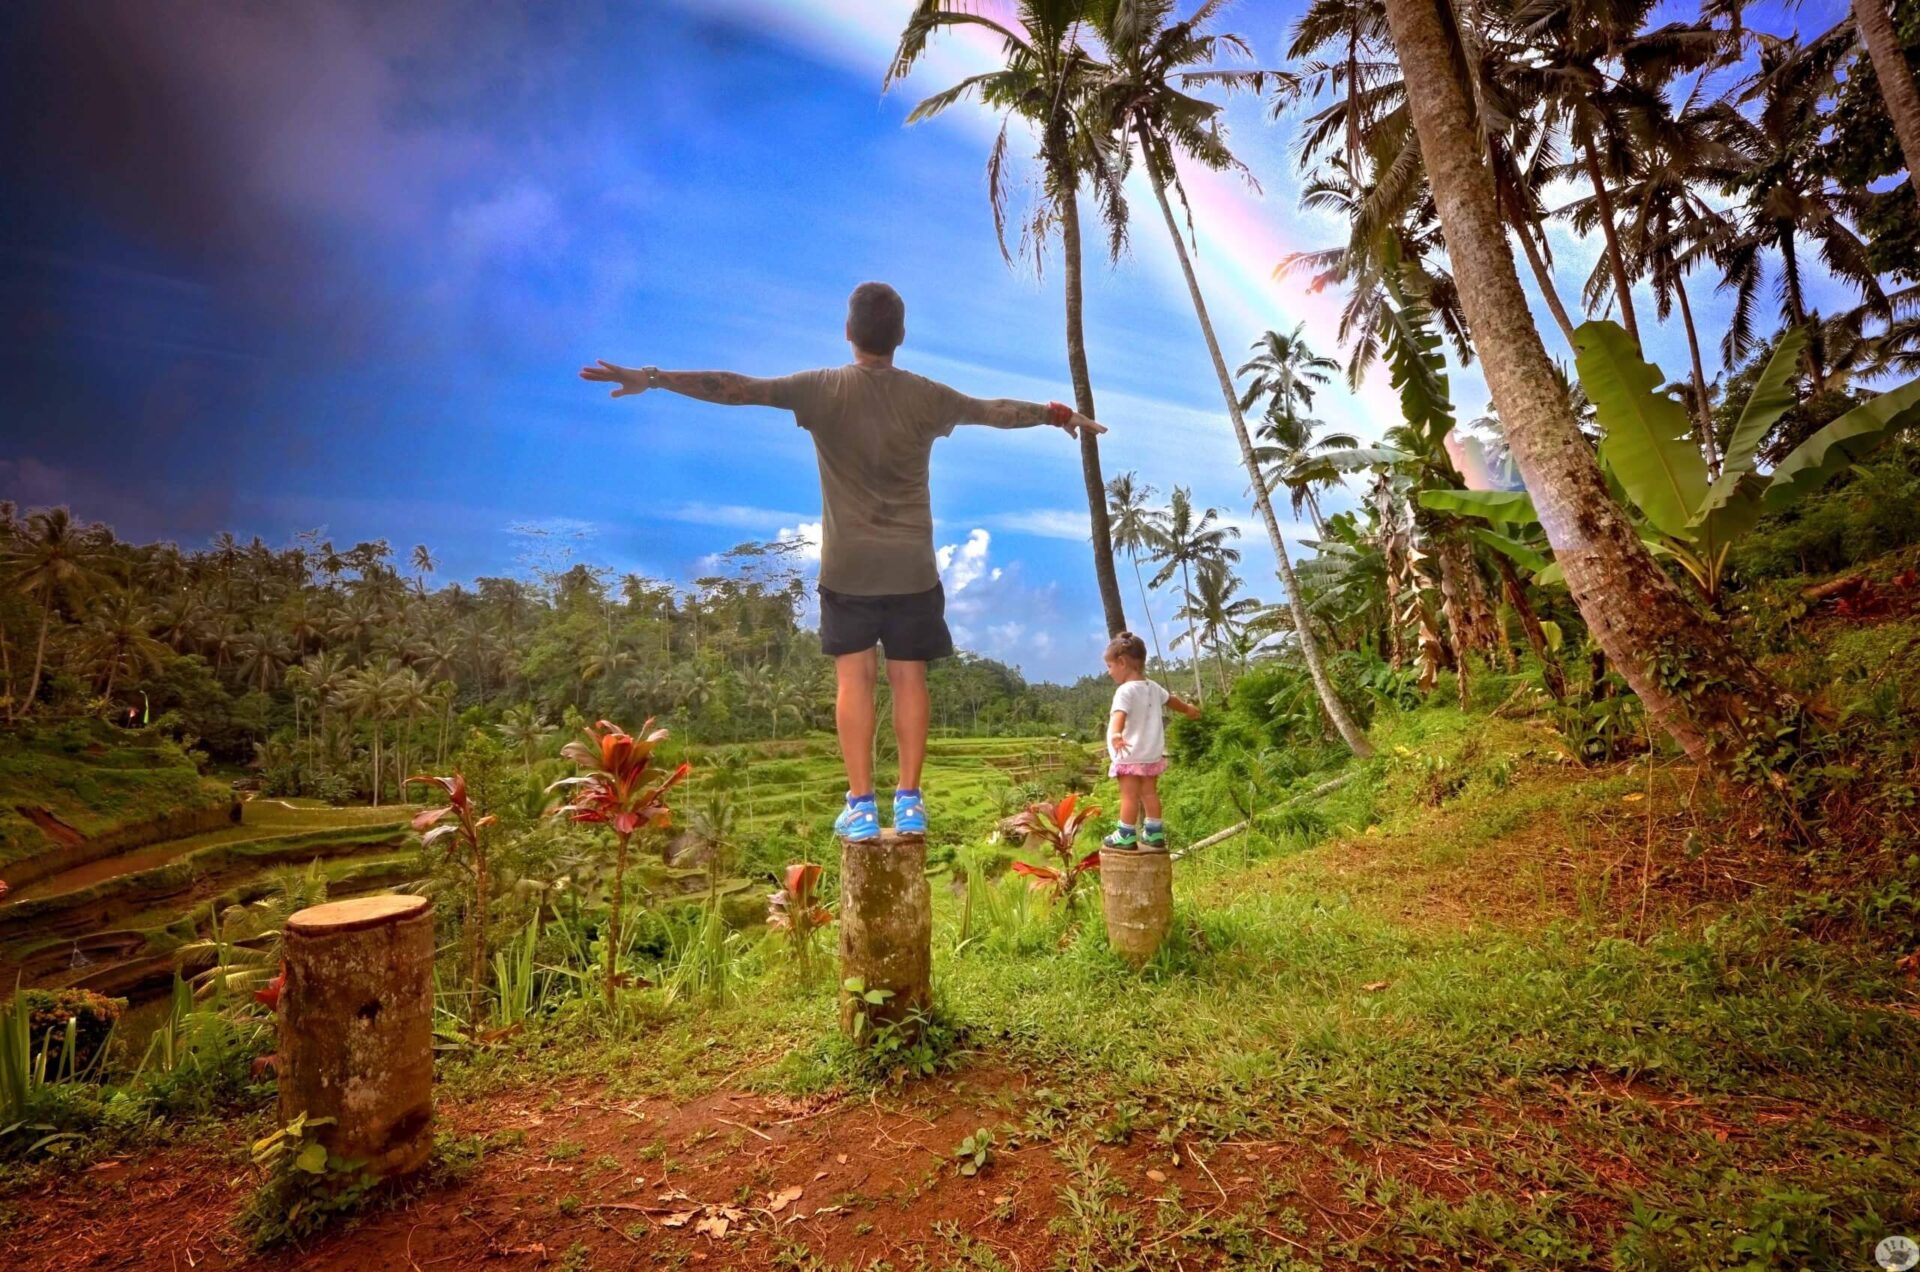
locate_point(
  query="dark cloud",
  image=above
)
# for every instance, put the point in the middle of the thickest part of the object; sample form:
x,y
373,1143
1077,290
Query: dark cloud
x,y
280,152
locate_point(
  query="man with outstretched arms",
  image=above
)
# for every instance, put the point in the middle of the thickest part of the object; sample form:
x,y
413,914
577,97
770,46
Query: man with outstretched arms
x,y
873,427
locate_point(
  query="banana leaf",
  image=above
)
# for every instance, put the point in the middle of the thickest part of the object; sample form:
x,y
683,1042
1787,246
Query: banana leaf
x,y
1525,555
1772,395
1646,442
1821,457
1355,458
1513,507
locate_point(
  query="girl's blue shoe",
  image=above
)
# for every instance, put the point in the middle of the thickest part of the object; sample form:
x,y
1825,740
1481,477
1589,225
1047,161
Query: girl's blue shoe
x,y
909,813
858,822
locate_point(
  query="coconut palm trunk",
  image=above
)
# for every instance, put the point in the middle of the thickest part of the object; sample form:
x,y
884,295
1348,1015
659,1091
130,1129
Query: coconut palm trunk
x,y
1543,277
1616,259
6,667
1636,613
1536,635
1146,607
39,657
1193,641
1897,88
1309,648
1313,511
1102,531
1703,405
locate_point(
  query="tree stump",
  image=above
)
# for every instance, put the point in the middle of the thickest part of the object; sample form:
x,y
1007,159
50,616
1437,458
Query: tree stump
x,y
886,933
356,1028
1136,892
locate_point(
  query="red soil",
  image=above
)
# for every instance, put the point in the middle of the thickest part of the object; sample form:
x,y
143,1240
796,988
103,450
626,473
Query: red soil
x,y
636,1182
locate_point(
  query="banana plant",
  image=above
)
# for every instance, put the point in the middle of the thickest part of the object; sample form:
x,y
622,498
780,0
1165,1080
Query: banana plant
x,y
1683,512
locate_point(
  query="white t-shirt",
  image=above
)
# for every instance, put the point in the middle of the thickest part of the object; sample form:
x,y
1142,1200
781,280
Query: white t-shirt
x,y
1146,730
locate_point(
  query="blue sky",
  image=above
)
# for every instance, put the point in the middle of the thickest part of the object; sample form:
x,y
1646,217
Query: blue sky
x,y
333,266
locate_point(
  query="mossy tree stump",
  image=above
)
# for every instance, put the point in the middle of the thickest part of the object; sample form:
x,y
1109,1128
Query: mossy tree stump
x,y
356,1028
1136,892
886,933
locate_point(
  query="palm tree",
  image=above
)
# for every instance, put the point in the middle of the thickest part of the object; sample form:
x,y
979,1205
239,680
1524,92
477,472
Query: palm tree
x,y
1186,544
410,695
323,677
523,729
1154,60
1635,611
118,639
57,562
1136,529
1285,372
423,565
1043,82
1671,226
1787,206
1376,178
1219,614
1895,75
1571,49
1291,456
361,697
263,655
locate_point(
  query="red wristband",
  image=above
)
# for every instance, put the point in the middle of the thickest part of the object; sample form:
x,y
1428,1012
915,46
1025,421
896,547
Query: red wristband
x,y
1059,414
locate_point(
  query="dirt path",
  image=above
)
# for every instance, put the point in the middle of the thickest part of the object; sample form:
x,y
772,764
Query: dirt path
x,y
573,1177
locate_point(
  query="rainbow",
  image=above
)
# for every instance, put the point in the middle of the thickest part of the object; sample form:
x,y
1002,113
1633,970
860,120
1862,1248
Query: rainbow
x,y
1240,235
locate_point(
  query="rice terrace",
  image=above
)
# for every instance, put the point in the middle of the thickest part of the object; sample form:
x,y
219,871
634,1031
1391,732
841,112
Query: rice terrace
x,y
960,635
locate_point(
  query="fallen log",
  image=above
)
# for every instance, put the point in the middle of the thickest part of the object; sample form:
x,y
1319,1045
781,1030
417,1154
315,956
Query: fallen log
x,y
1221,836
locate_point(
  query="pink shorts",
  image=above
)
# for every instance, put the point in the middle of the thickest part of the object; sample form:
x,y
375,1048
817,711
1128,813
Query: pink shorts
x,y
1152,768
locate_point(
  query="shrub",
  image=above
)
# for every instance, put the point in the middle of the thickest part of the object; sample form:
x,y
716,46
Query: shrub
x,y
48,1013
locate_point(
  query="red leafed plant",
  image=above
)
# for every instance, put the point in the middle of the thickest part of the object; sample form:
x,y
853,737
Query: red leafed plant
x,y
620,788
456,824
796,910
1057,826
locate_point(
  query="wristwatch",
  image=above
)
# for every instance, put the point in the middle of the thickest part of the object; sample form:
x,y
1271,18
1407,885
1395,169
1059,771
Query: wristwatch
x,y
653,376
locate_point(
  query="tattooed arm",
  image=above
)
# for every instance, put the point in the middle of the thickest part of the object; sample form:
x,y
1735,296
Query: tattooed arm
x,y
1013,413
724,387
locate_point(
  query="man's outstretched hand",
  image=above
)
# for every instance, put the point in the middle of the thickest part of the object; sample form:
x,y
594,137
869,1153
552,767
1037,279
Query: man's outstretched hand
x,y
1066,418
628,379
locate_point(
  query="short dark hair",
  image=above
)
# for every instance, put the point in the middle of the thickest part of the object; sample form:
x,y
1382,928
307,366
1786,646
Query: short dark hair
x,y
1128,647
876,318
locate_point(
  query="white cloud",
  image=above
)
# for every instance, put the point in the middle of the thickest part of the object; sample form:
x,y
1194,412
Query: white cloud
x,y
806,533
737,516
1046,523
963,564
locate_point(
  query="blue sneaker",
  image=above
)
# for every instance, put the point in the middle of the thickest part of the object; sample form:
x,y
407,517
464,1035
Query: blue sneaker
x,y
909,813
859,821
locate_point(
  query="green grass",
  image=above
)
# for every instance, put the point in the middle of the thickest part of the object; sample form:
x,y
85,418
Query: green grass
x,y
803,781
97,780
1491,1073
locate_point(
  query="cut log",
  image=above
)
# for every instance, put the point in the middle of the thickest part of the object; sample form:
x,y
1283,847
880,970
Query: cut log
x,y
886,935
356,1028
1136,892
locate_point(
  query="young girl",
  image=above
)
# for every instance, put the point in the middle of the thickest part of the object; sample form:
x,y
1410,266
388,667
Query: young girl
x,y
1137,741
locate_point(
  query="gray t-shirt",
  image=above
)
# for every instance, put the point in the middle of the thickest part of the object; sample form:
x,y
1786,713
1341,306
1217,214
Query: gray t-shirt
x,y
873,431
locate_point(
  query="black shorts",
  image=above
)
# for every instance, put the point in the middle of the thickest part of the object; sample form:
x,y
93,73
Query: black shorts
x,y
910,627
